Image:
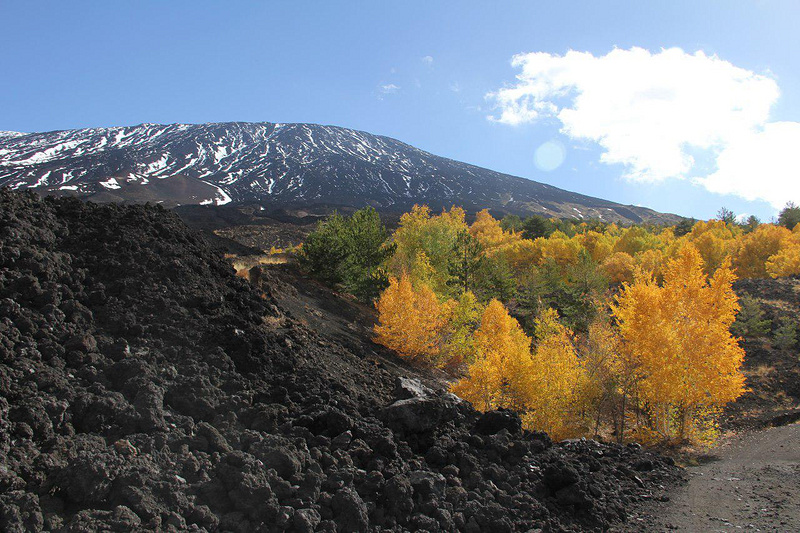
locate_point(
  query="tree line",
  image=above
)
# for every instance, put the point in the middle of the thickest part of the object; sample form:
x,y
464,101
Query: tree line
x,y
583,327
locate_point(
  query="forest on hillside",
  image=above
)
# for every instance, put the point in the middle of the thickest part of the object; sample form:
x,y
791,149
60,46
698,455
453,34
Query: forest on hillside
x,y
585,328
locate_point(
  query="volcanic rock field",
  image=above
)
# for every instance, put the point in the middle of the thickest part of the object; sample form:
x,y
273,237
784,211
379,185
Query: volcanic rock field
x,y
143,386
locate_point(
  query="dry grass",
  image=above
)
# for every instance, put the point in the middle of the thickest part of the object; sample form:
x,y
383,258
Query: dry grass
x,y
273,322
245,263
761,371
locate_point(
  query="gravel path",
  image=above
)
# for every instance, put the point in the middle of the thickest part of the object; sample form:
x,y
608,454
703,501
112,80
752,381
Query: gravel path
x,y
752,485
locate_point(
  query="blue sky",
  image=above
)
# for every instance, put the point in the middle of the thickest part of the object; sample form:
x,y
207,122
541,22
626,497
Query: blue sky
x,y
438,75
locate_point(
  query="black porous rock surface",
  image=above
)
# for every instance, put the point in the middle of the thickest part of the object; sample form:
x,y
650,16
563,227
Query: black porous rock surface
x,y
145,387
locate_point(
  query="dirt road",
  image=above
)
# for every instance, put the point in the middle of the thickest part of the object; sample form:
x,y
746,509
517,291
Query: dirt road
x,y
752,485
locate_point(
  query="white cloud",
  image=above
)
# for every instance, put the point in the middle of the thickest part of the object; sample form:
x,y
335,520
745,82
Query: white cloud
x,y
428,60
763,165
389,88
656,112
455,87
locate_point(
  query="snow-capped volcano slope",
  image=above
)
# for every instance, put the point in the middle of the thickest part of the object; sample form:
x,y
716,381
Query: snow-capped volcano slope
x,y
274,164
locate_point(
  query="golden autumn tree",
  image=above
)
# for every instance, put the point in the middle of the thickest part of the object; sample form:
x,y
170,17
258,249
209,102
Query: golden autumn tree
x,y
599,245
784,263
555,387
715,241
559,248
652,262
521,255
787,261
421,271
488,231
755,249
635,240
613,376
679,335
619,267
500,374
603,370
410,320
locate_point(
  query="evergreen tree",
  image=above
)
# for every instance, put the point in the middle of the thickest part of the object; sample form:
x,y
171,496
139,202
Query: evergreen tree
x,y
466,258
684,226
789,217
751,224
727,216
349,251
750,321
511,223
785,337
537,226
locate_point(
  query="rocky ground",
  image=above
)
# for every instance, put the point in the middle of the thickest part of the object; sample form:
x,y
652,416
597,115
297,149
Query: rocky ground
x,y
143,386
748,483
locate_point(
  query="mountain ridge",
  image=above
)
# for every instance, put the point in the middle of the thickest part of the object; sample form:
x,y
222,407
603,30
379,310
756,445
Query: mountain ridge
x,y
277,164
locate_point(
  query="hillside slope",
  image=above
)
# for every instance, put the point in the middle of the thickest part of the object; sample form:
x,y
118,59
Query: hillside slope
x,y
773,374
279,165
145,387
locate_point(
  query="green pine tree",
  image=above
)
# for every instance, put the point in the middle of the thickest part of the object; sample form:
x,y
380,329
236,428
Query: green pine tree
x,y
750,321
785,337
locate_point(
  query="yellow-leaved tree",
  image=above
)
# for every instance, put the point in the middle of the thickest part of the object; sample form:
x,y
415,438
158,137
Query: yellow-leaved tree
x,y
500,375
487,230
619,267
714,240
652,263
635,240
520,255
679,335
787,261
599,245
555,387
410,320
559,249
610,376
757,247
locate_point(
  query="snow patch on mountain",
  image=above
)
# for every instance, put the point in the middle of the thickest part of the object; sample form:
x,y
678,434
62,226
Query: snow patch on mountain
x,y
111,183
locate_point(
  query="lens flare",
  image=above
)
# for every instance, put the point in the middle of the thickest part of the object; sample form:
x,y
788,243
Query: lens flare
x,y
549,156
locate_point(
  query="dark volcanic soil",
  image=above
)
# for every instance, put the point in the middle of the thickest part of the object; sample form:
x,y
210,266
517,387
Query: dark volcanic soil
x,y
773,375
145,387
